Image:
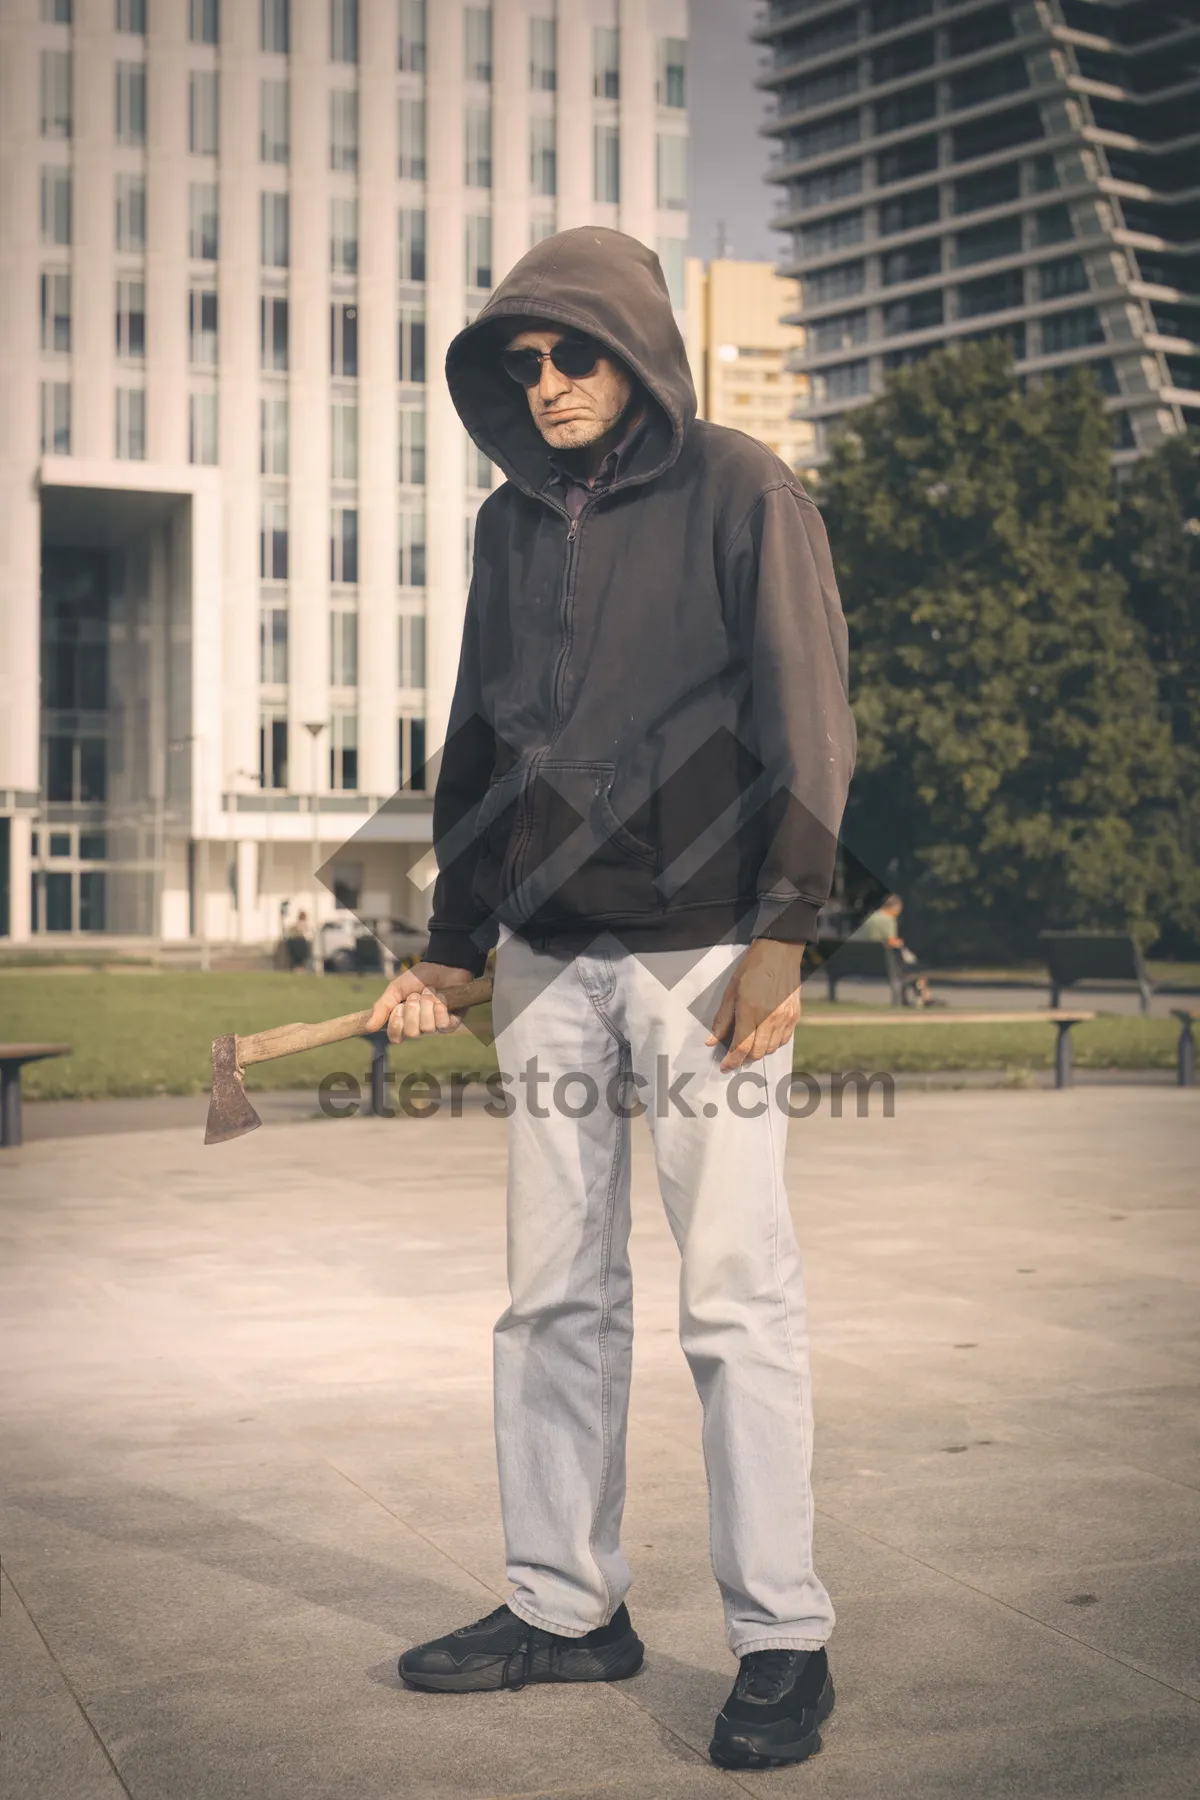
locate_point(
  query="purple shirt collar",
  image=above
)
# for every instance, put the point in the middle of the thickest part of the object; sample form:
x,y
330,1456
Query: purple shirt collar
x,y
576,488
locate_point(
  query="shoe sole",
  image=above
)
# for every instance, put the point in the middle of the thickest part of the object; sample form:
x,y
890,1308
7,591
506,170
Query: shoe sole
x,y
738,1747
617,1662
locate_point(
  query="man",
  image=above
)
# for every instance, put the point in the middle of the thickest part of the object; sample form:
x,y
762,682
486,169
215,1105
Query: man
x,y
883,927
644,774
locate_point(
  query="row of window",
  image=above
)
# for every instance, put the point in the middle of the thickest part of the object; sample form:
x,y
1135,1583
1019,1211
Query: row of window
x,y
915,262
979,243
998,186
852,380
274,540
1077,329
273,760
343,645
968,142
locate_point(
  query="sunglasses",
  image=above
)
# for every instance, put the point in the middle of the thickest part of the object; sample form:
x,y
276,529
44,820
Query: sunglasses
x,y
573,357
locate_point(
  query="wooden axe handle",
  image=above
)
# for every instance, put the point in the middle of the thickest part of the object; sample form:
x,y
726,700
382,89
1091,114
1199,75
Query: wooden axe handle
x,y
286,1040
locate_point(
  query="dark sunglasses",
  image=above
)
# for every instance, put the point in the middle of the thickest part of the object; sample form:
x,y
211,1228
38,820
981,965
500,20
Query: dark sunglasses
x,y
573,357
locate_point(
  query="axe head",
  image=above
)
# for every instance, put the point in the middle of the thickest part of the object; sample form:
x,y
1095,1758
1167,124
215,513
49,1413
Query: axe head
x,y
230,1114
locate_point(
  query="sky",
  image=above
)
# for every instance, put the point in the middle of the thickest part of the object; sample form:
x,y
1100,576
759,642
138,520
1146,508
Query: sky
x,y
728,156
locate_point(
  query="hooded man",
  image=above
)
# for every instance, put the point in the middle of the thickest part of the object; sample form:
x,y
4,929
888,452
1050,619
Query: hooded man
x,y
639,797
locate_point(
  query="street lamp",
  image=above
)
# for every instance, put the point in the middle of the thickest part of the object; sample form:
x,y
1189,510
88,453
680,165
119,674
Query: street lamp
x,y
315,727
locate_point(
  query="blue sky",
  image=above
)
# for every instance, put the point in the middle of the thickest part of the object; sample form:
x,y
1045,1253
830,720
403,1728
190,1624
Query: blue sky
x,y
728,156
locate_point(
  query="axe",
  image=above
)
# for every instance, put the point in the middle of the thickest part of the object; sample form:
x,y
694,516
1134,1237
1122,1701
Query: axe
x,y
230,1114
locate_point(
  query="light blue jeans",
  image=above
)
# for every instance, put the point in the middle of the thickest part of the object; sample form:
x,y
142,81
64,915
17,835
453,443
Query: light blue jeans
x,y
591,1025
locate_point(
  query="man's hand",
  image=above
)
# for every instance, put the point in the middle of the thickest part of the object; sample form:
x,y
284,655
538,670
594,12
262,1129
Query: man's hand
x,y
760,1008
412,1004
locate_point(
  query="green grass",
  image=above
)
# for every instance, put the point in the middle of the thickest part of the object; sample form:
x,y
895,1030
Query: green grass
x,y
146,1033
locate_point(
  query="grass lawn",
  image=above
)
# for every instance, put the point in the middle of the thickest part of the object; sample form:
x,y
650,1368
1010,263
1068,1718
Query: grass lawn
x,y
146,1033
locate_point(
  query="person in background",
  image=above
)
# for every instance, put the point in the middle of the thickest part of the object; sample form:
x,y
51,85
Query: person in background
x,y
298,942
883,927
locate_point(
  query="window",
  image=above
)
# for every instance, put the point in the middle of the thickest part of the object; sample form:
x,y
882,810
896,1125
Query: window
x,y
992,293
273,640
343,646
273,540
1052,225
202,428
343,544
543,160
996,132
543,55
988,81
56,12
541,225
343,339
1065,275
202,220
273,748
479,250
607,153
671,86
131,424
830,184
56,206
202,327
203,112
273,331
56,93
1071,330
833,234
480,468
886,15
131,103
412,754
1043,173
343,129
412,446
908,107
819,90
411,537
672,171
914,158
274,223
131,319
274,143
981,31
343,31
273,435
56,418
275,26
343,750
131,16
912,263
56,312
1002,237
829,134
131,214
993,187
343,236
916,314
606,62
672,254
833,284
477,43
204,21
411,138
842,332
411,243
843,382
477,131
411,49
343,440
411,672
909,212
903,57
410,363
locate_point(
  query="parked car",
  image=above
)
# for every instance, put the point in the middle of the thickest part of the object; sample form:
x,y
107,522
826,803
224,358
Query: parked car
x,y
354,946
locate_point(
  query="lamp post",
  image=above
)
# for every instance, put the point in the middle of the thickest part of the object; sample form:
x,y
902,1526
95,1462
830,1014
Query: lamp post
x,y
315,727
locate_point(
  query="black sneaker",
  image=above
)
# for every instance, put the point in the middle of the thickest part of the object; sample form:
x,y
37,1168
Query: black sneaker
x,y
779,1699
502,1651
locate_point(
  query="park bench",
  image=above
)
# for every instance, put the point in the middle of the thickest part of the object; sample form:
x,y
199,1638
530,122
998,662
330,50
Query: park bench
x,y
867,959
13,1058
1186,1054
1106,958
1064,1061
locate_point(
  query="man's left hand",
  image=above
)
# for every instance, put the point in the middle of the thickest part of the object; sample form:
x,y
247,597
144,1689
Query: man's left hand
x,y
760,1008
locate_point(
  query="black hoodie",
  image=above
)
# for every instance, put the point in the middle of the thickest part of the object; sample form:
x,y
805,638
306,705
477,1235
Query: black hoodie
x,y
650,731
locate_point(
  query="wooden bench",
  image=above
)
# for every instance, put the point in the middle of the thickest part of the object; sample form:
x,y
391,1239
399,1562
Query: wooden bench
x,y
1064,1062
1106,958
1185,1061
13,1058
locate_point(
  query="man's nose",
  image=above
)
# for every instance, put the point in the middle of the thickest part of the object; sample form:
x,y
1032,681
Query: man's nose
x,y
552,382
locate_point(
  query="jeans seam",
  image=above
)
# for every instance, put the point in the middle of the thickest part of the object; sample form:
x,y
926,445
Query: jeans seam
x,y
780,1200
602,1348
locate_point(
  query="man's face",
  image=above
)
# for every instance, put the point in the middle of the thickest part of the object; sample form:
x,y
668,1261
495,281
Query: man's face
x,y
573,412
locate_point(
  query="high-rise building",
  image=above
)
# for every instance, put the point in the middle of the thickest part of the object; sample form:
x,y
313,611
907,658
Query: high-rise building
x,y
237,237
955,169
739,346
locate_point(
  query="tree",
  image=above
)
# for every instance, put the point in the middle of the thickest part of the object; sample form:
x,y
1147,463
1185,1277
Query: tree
x,y
1014,771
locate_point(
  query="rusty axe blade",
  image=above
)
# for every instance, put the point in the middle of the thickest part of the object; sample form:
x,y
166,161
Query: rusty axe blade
x,y
230,1114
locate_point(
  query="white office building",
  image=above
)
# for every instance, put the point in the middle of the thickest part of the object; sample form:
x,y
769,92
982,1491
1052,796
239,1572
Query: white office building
x,y
236,505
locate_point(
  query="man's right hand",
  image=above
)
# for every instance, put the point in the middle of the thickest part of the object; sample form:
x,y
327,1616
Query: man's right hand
x,y
412,1004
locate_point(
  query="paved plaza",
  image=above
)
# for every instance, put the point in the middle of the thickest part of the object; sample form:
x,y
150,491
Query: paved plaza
x,y
245,1416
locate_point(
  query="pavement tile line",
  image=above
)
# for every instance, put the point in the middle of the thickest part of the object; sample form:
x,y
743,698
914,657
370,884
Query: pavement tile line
x,y
69,1686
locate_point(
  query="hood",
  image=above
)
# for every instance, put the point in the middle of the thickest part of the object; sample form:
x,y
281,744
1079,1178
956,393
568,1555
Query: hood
x,y
594,280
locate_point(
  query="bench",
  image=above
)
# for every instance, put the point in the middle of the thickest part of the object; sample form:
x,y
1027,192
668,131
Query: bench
x,y
1064,1061
1186,1054
13,1058
1105,957
867,959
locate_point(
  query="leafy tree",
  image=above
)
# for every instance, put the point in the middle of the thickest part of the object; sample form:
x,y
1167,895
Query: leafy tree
x,y
1014,770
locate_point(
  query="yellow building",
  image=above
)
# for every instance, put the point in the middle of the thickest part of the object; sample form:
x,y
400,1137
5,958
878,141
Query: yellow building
x,y
739,353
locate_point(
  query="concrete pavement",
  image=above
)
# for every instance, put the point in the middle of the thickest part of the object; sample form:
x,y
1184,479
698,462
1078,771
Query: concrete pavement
x,y
245,1415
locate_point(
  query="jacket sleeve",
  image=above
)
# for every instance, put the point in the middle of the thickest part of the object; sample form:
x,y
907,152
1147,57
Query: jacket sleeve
x,y
460,931
792,636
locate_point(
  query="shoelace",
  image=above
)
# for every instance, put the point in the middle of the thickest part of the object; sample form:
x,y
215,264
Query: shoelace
x,y
764,1672
526,1650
